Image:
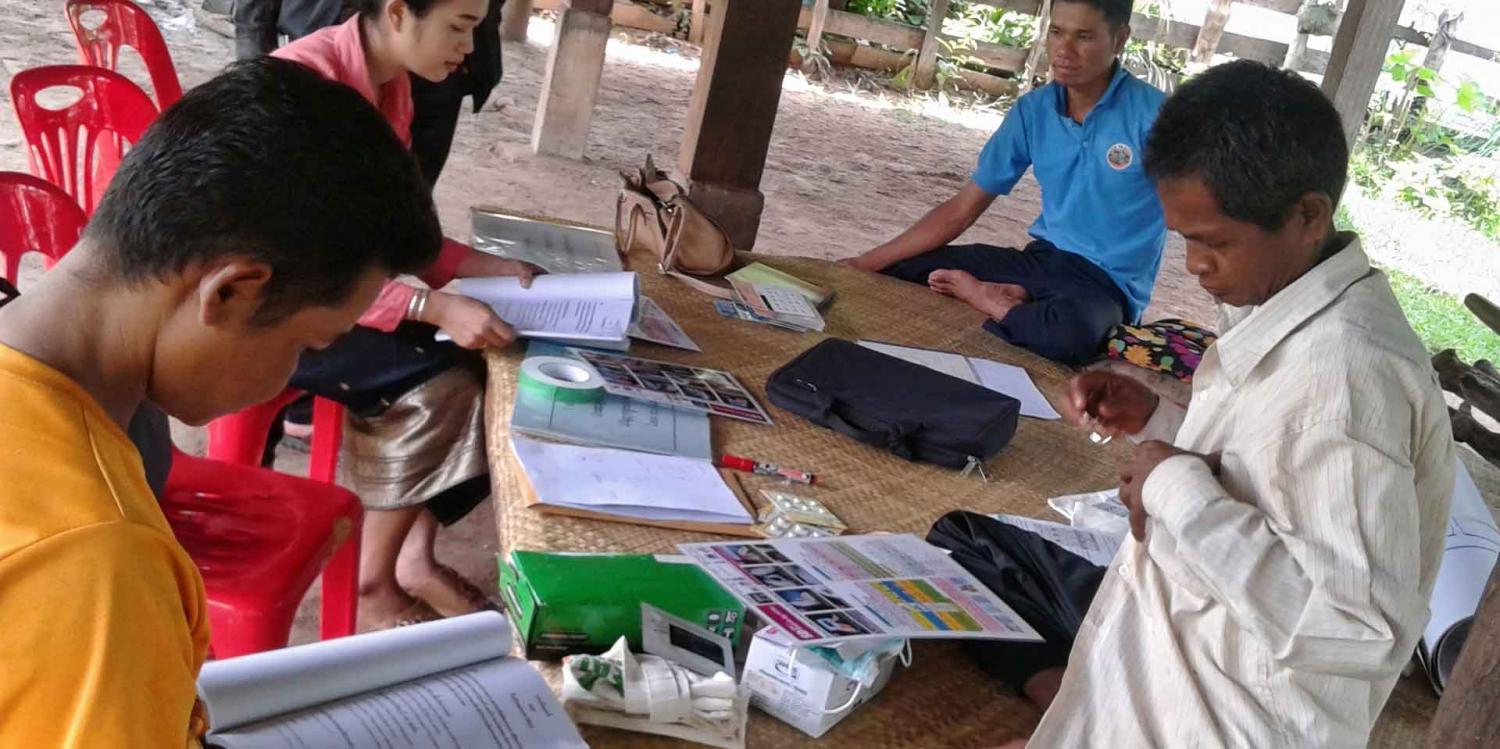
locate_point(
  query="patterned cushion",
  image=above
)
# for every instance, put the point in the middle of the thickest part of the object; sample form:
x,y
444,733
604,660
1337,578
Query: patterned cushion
x,y
1171,346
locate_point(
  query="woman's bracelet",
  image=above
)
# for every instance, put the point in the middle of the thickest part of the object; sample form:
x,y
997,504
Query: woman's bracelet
x,y
417,305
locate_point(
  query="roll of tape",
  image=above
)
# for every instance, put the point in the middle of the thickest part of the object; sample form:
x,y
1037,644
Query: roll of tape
x,y
564,379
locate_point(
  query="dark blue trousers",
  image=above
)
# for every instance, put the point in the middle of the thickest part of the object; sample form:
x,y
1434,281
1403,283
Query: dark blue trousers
x,y
1073,306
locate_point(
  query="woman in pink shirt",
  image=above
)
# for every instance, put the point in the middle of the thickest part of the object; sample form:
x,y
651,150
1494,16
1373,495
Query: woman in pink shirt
x,y
415,447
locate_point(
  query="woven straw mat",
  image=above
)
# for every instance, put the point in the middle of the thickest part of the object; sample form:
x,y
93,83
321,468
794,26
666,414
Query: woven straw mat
x,y
942,700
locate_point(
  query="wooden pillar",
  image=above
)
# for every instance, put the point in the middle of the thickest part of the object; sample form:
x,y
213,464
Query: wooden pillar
x,y
514,18
927,57
1359,51
574,66
698,22
746,47
1213,30
1467,717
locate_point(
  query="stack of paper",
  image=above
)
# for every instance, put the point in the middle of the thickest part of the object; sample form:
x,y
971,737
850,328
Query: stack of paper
x,y
614,421
585,309
556,246
628,484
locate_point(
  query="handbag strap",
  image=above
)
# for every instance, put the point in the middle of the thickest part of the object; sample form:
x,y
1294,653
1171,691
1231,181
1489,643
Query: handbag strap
x,y
894,437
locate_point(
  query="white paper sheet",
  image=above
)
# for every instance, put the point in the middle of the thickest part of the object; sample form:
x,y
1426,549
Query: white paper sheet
x,y
1099,548
1016,383
250,688
947,362
656,326
1470,552
497,704
628,484
1006,379
576,307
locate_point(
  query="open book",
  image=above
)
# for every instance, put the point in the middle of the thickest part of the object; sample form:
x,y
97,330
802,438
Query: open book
x,y
583,309
448,684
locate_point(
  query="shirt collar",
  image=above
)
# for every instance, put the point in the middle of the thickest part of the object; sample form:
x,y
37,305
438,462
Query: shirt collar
x,y
1252,332
1116,77
349,47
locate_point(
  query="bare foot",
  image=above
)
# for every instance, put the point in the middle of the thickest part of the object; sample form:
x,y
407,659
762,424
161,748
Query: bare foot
x,y
388,606
993,299
446,591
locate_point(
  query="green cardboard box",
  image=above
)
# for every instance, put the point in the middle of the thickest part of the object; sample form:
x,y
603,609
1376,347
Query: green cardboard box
x,y
564,604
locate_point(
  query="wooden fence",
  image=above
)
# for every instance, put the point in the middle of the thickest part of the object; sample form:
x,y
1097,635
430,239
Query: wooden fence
x,y
904,38
861,41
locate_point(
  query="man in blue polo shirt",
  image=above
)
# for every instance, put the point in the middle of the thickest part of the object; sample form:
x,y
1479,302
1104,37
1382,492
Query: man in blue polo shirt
x,y
1098,242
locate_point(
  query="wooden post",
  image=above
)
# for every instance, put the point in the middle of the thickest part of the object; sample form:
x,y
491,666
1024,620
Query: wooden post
x,y
1035,71
1213,29
1467,717
1359,51
733,109
514,18
815,27
699,21
925,73
574,66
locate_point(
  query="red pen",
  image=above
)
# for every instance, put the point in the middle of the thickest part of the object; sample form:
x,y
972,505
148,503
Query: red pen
x,y
736,463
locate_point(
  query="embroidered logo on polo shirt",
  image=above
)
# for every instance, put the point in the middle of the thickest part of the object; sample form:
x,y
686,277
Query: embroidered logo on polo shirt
x,y
1120,157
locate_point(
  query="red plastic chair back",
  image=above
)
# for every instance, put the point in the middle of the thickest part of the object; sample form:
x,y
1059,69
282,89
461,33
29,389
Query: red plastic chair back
x,y
35,216
78,147
124,24
260,538
240,437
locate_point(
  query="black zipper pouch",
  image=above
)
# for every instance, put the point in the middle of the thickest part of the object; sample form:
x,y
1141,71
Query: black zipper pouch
x,y
917,413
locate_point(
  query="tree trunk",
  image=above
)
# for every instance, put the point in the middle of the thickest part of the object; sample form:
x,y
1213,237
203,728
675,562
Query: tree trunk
x,y
1211,32
1316,18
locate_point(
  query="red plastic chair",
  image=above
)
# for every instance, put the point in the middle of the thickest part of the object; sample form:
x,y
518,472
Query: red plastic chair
x,y
125,24
240,438
35,216
79,146
259,538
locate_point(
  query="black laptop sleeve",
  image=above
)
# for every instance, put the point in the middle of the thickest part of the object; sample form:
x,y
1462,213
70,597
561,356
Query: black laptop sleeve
x,y
917,413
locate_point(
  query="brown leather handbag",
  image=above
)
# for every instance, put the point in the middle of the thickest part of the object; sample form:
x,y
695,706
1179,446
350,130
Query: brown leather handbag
x,y
654,213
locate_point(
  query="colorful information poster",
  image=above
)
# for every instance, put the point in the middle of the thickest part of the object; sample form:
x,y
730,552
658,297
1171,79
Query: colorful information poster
x,y
828,590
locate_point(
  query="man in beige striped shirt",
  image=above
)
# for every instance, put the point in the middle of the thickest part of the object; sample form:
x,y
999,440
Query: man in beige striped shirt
x,y
1289,523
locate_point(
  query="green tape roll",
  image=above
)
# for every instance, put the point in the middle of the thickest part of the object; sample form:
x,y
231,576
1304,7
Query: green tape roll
x,y
561,378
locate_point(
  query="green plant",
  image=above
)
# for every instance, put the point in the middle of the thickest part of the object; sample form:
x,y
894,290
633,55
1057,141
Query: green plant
x,y
986,23
1409,149
1441,320
913,12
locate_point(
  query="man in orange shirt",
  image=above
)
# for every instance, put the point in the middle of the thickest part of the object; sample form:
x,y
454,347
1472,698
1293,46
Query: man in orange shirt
x,y
258,217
